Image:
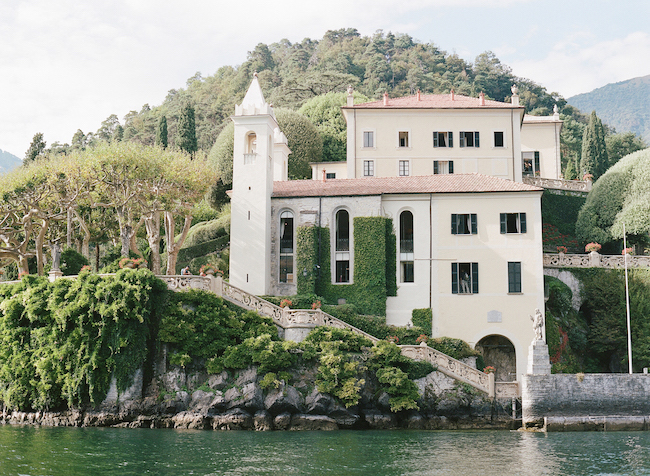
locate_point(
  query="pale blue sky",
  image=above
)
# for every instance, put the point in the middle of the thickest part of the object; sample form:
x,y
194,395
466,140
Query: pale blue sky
x,y
66,64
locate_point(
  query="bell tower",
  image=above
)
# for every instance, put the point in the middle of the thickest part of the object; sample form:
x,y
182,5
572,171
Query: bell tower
x,y
259,149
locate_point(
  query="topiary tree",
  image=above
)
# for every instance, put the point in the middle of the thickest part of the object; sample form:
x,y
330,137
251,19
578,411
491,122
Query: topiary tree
x,y
220,156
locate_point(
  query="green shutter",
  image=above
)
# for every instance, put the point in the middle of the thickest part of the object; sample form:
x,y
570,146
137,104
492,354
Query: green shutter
x,y
451,165
476,139
522,222
435,139
454,224
475,278
504,225
450,142
454,278
435,166
462,139
474,226
537,171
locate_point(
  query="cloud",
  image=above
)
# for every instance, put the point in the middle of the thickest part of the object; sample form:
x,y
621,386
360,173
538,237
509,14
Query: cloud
x,y
579,63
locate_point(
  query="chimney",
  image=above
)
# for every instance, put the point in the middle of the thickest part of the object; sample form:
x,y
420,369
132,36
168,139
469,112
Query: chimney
x,y
350,102
481,99
419,95
386,98
515,96
452,94
324,175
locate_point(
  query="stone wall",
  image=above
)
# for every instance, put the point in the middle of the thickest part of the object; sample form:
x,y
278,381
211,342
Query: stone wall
x,y
563,402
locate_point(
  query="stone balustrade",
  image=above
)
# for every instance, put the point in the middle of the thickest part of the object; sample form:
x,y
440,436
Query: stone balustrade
x,y
594,260
559,184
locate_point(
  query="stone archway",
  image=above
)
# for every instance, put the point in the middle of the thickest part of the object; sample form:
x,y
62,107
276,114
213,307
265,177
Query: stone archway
x,y
499,352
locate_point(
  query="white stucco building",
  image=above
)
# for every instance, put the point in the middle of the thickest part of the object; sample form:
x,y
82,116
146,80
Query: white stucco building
x,y
447,170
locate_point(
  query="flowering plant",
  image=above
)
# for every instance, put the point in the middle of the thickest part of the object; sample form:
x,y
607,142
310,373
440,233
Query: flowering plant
x,y
587,177
561,249
285,303
489,369
628,251
316,305
592,247
132,263
422,338
22,273
85,268
393,339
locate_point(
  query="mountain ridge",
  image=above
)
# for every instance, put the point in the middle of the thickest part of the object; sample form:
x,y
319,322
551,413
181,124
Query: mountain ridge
x,y
8,161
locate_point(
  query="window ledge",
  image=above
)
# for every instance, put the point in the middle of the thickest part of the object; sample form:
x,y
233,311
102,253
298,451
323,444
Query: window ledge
x,y
516,294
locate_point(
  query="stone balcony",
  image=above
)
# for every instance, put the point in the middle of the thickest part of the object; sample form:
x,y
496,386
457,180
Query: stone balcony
x,y
559,184
594,260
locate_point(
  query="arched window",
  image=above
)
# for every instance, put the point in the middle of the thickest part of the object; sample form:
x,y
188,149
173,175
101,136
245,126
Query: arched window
x,y
286,247
251,143
342,247
406,247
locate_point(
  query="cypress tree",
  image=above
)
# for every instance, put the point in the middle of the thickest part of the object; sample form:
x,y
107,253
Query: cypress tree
x,y
187,130
161,133
594,152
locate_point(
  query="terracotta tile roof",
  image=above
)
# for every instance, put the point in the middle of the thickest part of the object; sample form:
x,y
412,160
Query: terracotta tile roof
x,y
434,101
450,183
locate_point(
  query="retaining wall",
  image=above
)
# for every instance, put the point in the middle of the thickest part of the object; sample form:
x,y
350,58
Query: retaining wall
x,y
570,402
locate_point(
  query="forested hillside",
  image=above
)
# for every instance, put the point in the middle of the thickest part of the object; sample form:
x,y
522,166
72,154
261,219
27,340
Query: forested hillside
x,y
624,105
8,161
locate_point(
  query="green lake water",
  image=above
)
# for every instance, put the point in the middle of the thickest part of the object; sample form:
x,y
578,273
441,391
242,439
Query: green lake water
x,y
28,450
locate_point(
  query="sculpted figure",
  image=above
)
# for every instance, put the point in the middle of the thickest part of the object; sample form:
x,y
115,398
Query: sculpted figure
x,y
56,255
538,322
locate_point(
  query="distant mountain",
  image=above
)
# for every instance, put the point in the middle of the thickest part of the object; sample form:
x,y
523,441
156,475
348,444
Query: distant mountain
x,y
624,105
8,161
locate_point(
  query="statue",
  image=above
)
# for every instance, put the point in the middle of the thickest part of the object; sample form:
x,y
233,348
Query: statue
x,y
56,255
538,323
350,90
514,89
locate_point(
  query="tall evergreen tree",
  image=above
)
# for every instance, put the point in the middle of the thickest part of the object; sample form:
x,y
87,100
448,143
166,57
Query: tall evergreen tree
x,y
594,152
186,139
36,148
161,132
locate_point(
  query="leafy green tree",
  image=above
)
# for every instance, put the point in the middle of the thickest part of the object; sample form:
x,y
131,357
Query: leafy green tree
x,y
620,145
108,127
186,130
161,132
36,148
325,113
594,152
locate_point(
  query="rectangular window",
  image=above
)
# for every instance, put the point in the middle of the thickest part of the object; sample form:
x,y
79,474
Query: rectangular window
x,y
368,139
443,139
403,168
330,175
368,168
443,167
513,223
530,163
464,278
498,139
514,277
286,269
464,224
407,275
469,139
342,271
403,139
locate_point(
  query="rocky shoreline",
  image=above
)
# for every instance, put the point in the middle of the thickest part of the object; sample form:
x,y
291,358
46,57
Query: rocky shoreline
x,y
199,401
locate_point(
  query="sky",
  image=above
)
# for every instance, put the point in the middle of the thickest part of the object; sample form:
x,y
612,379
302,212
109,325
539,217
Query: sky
x,y
68,65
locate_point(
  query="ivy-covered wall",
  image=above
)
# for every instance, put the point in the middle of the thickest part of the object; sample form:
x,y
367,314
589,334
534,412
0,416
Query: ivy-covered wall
x,y
374,273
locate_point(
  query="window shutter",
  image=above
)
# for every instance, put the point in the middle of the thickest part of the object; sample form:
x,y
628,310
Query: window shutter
x,y
435,166
474,227
503,223
435,139
476,139
454,225
462,140
537,172
522,222
454,278
450,141
451,165
475,278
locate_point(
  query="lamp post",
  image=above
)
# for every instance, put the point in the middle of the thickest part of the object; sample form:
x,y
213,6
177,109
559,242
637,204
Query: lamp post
x,y
627,305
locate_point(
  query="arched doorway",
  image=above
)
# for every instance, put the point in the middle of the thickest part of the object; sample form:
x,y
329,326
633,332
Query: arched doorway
x,y
499,352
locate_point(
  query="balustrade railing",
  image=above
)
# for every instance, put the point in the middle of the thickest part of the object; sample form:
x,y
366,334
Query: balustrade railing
x,y
559,184
594,260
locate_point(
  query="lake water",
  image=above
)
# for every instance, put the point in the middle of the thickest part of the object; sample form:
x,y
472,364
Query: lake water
x,y
27,450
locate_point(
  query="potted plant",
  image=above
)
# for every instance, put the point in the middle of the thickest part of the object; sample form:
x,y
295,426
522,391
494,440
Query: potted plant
x,y
562,249
85,269
593,247
393,339
207,270
628,251
316,305
489,369
285,303
422,338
